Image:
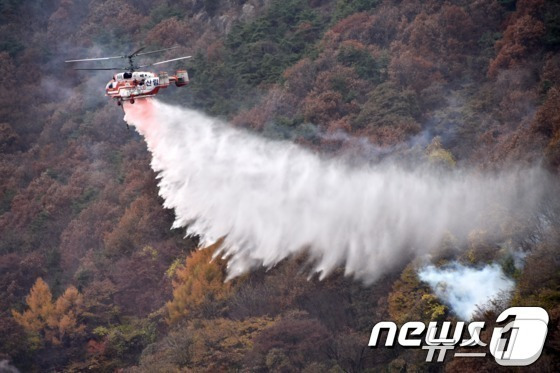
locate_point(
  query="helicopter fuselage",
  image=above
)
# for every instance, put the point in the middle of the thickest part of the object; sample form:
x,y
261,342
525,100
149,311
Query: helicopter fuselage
x,y
128,86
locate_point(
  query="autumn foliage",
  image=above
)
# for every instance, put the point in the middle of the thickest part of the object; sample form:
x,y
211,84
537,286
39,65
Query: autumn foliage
x,y
55,322
92,277
199,283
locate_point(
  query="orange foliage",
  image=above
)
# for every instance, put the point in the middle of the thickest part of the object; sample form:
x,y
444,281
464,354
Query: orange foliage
x,y
378,28
40,309
169,32
548,116
53,321
520,38
335,94
551,69
119,16
254,118
415,71
200,281
86,232
456,23
433,47
323,107
354,26
340,125
64,321
137,220
400,130
300,77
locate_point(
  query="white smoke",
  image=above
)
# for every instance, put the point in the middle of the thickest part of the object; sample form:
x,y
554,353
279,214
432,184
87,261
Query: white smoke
x,y
466,288
6,367
272,199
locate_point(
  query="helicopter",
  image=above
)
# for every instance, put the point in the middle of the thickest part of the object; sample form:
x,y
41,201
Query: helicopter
x,y
132,84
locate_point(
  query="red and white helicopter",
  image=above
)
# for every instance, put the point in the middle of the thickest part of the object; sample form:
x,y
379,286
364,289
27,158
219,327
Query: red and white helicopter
x,y
133,84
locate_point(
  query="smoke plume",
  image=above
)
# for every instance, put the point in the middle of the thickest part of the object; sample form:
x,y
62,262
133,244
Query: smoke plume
x,y
465,288
273,199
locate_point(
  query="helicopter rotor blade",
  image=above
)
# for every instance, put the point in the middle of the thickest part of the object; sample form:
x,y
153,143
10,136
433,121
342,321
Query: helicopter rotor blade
x,y
102,68
96,59
166,61
156,51
135,53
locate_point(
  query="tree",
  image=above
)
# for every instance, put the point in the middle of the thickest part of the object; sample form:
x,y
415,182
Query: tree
x,y
520,38
64,321
412,300
200,283
54,322
413,70
290,344
222,344
41,308
438,155
389,114
335,94
548,123
169,32
135,227
9,139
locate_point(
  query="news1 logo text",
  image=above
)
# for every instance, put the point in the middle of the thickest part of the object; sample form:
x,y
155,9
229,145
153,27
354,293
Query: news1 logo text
x,y
519,340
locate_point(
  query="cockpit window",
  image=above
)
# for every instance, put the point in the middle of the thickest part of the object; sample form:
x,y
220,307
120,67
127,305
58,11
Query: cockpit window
x,y
127,75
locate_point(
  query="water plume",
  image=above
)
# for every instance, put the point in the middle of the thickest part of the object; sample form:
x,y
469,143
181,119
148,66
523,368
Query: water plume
x,y
273,199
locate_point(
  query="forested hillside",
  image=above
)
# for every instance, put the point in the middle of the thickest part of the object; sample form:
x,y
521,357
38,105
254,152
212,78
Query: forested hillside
x,y
92,278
